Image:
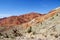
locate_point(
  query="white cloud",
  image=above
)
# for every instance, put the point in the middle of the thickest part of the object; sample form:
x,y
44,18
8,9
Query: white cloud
x,y
4,15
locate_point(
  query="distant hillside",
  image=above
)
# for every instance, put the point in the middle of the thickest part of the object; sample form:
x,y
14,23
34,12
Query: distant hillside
x,y
17,20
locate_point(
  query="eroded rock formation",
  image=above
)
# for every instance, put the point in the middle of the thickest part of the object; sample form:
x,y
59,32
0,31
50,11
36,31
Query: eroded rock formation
x,y
17,20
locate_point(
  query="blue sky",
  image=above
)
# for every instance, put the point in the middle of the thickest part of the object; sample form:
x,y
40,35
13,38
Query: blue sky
x,y
19,7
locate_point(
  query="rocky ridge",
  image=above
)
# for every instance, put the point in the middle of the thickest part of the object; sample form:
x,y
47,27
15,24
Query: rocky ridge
x,y
17,20
45,27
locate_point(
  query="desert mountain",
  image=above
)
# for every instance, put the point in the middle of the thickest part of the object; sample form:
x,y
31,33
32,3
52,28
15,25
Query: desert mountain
x,y
41,27
17,20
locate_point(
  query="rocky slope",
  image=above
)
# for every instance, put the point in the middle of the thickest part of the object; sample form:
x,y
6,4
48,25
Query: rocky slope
x,y
17,20
45,27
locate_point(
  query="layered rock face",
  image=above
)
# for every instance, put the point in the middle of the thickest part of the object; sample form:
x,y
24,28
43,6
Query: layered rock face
x,y
45,27
17,20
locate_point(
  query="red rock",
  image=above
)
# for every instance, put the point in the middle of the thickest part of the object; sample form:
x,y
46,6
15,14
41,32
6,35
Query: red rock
x,y
17,20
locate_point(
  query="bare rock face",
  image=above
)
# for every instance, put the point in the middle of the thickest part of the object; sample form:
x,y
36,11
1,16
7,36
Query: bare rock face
x,y
38,27
17,20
